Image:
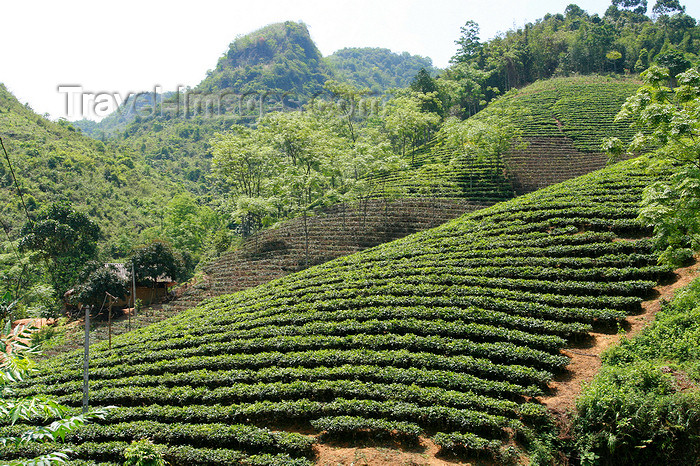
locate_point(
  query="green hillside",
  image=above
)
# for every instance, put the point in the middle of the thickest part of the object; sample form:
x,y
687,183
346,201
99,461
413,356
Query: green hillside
x,y
279,56
579,108
448,333
54,162
377,69
562,123
565,124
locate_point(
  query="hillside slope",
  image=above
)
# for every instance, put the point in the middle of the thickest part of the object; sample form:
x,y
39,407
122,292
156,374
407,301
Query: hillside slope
x,y
54,162
377,69
568,118
334,232
561,143
563,123
445,333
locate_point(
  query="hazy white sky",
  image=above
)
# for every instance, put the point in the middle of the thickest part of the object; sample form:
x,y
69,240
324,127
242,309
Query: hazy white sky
x,y
135,45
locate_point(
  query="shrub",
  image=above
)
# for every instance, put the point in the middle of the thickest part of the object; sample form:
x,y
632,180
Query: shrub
x,y
144,453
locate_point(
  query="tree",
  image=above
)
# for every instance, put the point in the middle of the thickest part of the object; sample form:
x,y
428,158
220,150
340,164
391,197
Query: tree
x,y
101,280
469,44
425,84
348,105
673,60
636,6
574,11
464,88
664,7
406,123
155,261
669,123
188,225
65,239
242,159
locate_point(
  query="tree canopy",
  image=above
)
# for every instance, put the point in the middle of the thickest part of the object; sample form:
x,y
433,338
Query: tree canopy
x,y
669,122
154,261
65,239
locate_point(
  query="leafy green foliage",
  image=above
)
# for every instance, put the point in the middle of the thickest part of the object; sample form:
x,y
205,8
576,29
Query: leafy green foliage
x,y
469,43
66,239
566,44
670,122
406,122
644,406
101,280
14,367
296,161
188,226
445,332
144,453
377,69
54,163
157,260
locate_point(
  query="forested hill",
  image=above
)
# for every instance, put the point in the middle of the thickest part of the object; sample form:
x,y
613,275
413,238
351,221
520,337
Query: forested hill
x,y
624,40
377,69
280,56
54,162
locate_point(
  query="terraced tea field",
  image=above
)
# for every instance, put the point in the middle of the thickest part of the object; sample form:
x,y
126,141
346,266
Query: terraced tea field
x,y
335,232
435,188
564,122
582,109
568,118
451,333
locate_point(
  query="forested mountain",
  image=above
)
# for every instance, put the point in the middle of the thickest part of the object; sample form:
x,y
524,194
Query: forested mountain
x,y
278,57
377,69
54,162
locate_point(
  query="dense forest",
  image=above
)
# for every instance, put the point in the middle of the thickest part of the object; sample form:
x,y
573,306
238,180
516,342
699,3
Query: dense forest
x,y
623,40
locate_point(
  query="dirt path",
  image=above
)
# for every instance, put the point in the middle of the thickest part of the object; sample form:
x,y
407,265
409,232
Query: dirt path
x,y
346,455
585,362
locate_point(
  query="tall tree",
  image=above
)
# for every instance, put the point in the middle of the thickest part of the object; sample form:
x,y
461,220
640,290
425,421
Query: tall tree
x,y
670,122
65,239
426,84
406,123
469,43
636,6
665,7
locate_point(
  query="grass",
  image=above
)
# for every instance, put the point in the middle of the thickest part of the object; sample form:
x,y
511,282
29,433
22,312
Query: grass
x,y
644,406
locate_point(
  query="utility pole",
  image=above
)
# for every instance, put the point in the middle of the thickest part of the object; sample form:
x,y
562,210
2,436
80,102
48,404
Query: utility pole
x,y
109,316
86,360
133,290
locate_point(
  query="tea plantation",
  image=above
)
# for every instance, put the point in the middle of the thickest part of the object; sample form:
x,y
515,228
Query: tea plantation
x,y
451,333
563,123
582,109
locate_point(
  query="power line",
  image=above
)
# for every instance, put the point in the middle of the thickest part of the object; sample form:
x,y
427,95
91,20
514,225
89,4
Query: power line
x,y
14,178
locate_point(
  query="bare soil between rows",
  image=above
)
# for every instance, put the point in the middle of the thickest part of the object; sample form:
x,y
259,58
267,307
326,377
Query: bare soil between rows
x,y
585,361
